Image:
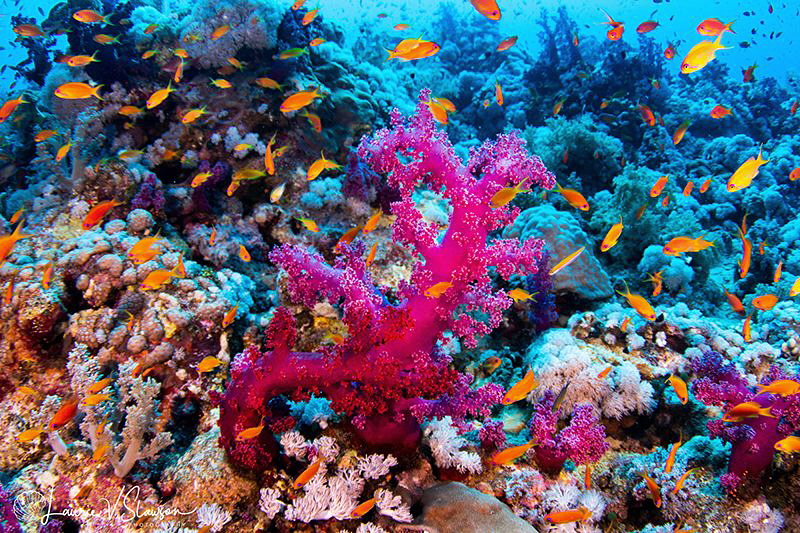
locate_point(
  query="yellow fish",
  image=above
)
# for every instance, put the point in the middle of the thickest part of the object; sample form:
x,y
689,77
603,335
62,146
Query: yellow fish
x,y
94,399
208,364
192,115
320,165
437,289
505,195
744,175
702,54
521,388
159,96
299,100
612,236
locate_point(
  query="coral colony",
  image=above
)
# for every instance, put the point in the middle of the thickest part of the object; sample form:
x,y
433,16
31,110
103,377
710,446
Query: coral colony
x,y
278,266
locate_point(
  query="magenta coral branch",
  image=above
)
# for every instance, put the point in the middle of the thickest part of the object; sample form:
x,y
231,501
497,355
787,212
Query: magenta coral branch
x,y
389,372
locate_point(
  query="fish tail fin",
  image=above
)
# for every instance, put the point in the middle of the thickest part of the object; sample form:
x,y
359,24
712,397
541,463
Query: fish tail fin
x,y
766,411
392,55
760,389
179,269
727,27
96,91
17,233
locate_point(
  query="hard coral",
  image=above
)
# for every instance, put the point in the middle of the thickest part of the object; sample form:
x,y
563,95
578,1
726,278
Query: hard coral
x,y
388,373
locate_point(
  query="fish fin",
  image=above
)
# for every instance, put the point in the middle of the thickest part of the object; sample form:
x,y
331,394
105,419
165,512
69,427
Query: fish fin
x,y
765,411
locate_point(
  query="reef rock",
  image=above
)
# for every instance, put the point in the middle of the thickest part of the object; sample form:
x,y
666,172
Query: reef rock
x,y
456,508
585,277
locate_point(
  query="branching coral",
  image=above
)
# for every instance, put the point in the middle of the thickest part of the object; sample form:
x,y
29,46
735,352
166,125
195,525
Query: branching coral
x,y
388,373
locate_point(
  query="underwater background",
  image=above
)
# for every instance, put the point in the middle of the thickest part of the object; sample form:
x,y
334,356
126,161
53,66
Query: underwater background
x,y
455,266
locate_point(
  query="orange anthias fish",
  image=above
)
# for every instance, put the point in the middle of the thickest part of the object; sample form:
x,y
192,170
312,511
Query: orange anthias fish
x,y
735,302
363,508
313,119
63,416
9,107
230,316
438,111
503,457
309,17
29,434
487,8
309,224
319,166
624,326
612,236
77,91
680,388
208,364
677,137
564,263
347,238
639,304
794,107
97,386
371,256
268,83
687,189
670,51
671,457
765,302
718,111
606,371
617,28
437,289
519,295
250,433
220,31
28,30
97,213
778,271
307,474
157,278
682,480
521,389
94,399
794,175
789,444
658,282
745,174
47,275
746,410
498,94
159,96
679,245
713,27
647,115
7,242
298,4
269,157
372,222
581,514
655,490
701,55
795,289
573,197
704,187
658,186
89,16
505,195
647,26
43,136
299,100
781,387
244,255
507,43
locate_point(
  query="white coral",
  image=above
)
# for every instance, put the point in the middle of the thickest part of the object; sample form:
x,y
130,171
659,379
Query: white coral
x,y
375,465
446,444
269,503
294,445
392,506
213,516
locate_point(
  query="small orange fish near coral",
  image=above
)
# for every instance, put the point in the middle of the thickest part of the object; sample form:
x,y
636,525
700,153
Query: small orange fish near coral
x,y
307,474
765,302
680,388
581,514
503,457
97,213
208,364
521,389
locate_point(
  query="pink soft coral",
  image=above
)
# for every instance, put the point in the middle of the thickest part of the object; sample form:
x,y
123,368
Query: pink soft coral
x,y
388,374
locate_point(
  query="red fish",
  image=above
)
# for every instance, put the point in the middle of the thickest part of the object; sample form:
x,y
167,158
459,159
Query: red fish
x,y
747,74
617,28
64,415
670,51
713,27
97,213
647,26
719,111
647,115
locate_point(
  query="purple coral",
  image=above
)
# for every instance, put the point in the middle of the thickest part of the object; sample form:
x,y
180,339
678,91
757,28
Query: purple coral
x,y
8,520
582,441
220,172
753,440
150,195
389,374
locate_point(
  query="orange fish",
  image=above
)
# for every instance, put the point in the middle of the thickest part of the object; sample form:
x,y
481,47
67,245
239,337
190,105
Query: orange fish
x,y
7,242
269,157
587,477
745,174
157,278
507,43
213,237
503,457
519,295
363,508
521,389
605,372
307,474
671,457
29,434
581,514
97,386
747,74
159,96
230,316
268,83
704,187
94,399
624,326
9,294
372,222
250,433
244,255
781,387
314,120
658,186
88,16
566,261
208,364
573,197
719,111
438,111
77,91
9,107
735,302
681,480
558,105
28,30
677,137
371,255
47,275
505,195
713,27
347,237
778,270
687,190
647,26
612,236
680,388
220,31
617,28
655,490
765,302
319,166
487,8
647,115
498,93
669,53
298,4
299,100
793,109
640,211
658,282
746,410
665,201
43,136
103,38
437,289
641,305
63,416
309,17
789,444
130,111
794,175
97,213
309,224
